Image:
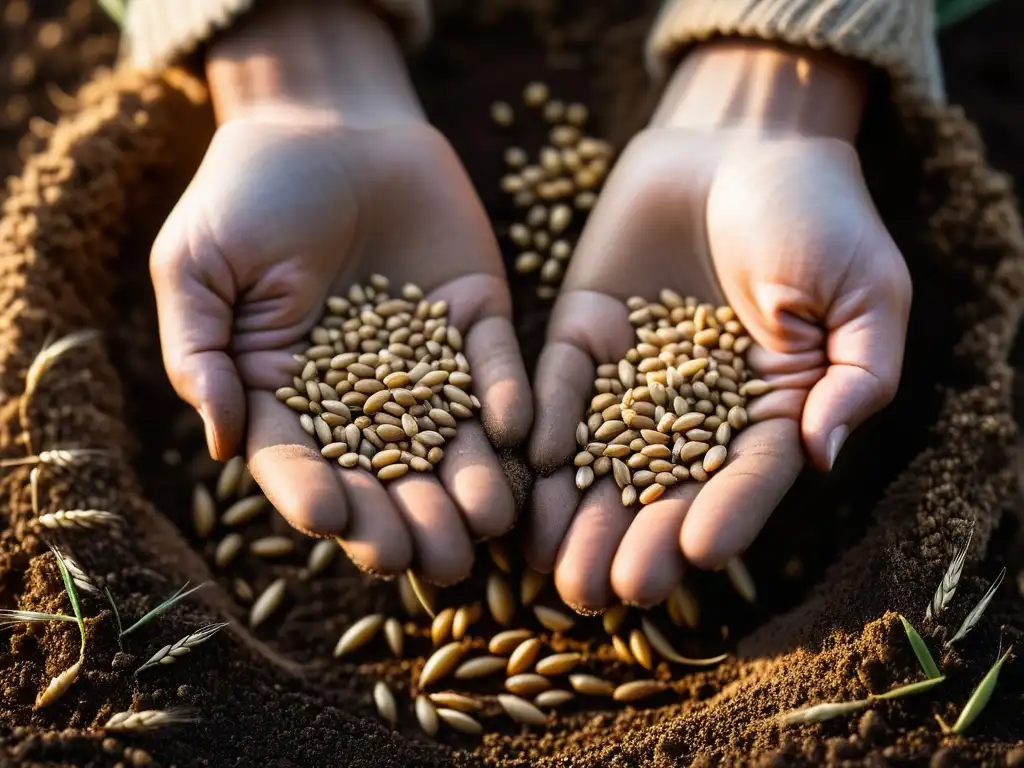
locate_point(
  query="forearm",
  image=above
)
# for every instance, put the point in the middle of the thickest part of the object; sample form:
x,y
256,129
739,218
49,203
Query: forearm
x,y
336,61
760,87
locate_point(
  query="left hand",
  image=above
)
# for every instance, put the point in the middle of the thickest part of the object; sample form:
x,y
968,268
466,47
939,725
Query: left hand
x,y
761,206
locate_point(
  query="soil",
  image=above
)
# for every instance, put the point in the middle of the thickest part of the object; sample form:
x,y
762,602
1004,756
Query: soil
x,y
837,562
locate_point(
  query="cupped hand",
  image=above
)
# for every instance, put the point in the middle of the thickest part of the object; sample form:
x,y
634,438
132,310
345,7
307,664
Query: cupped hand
x,y
283,213
779,225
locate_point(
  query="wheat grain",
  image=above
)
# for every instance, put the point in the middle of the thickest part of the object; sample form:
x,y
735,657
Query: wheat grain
x,y
358,635
441,626
227,549
499,555
505,642
440,663
204,511
683,607
638,689
230,477
169,653
622,651
82,580
641,649
243,510
268,602
59,685
741,579
553,698
523,656
465,616
553,620
148,719
272,546
395,637
500,601
386,704
947,587
527,684
424,593
320,557
613,618
481,666
531,585
521,710
459,721
819,713
591,685
77,518
558,664
426,716
454,700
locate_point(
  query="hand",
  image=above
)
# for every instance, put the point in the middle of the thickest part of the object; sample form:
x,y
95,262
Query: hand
x,y
761,205
322,172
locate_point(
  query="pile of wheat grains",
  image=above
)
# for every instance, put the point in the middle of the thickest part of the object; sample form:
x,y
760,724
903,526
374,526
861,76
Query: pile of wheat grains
x,y
667,411
384,380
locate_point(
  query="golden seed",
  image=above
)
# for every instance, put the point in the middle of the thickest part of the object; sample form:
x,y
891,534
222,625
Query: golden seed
x,y
591,685
457,701
553,698
683,607
284,393
527,684
204,513
755,387
459,721
267,603
440,663
584,201
320,557
561,218
741,579
622,651
583,459
661,644
505,642
243,590
638,689
609,429
441,627
423,592
465,616
434,455
535,94
629,496
482,666
386,705
715,458
244,510
693,449
737,417
500,601
561,250
557,664
515,157
553,620
641,649
697,472
272,546
227,548
230,476
601,402
584,478
426,716
392,472
359,634
521,710
665,479
651,493
395,636
523,656
613,618
349,460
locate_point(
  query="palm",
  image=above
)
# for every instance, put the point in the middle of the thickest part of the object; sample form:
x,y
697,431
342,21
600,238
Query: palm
x,y
302,217
671,217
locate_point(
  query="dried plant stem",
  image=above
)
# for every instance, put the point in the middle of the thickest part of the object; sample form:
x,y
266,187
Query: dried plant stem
x,y
10,617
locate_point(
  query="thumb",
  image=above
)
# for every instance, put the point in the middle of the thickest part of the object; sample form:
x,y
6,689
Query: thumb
x,y
194,298
867,328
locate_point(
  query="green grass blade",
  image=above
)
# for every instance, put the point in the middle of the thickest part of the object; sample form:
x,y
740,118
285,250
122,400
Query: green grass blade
x,y
977,611
69,587
181,594
113,607
979,699
115,10
908,690
924,656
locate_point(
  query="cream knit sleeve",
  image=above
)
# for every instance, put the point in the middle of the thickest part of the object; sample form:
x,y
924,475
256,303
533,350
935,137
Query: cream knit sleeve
x,y
156,32
897,36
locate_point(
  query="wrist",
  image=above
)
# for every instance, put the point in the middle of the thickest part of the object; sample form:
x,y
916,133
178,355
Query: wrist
x,y
761,88
334,62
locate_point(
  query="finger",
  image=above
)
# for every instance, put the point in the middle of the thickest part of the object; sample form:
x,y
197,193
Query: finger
x,y
649,563
865,353
444,553
562,381
476,483
376,539
583,568
482,304
194,298
499,380
550,510
287,464
732,507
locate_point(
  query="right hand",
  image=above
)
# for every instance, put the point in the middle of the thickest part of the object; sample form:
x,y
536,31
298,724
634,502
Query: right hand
x,y
289,206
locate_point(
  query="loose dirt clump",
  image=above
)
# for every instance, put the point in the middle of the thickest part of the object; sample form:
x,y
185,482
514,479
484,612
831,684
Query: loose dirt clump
x,y
842,556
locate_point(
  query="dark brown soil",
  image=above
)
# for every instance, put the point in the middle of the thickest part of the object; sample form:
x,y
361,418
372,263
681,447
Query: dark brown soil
x,y
836,562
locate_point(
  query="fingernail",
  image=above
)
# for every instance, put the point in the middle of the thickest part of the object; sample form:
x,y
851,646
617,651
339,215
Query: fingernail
x,y
836,439
211,439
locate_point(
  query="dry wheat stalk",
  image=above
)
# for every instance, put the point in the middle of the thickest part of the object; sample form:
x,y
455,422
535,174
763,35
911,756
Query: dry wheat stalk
x,y
77,518
149,719
61,457
169,653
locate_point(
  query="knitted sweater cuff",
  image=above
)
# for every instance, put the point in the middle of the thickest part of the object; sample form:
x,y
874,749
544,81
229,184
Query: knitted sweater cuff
x,y
897,36
157,32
